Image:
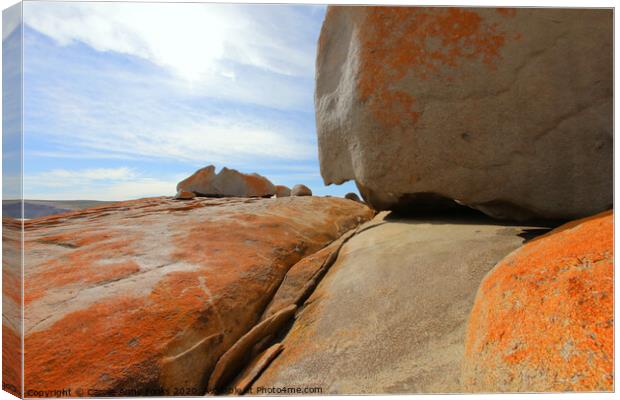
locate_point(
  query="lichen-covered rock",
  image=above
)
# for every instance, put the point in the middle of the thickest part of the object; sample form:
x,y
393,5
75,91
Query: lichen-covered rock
x,y
301,190
11,306
143,297
505,110
282,191
227,183
543,317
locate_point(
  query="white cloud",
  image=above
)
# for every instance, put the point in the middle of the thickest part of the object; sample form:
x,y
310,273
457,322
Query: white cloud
x,y
96,184
63,177
194,139
194,41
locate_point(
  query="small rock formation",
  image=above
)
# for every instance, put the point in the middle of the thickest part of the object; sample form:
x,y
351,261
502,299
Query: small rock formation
x,y
184,195
390,314
255,368
282,191
353,196
148,294
237,356
227,183
303,277
301,190
508,111
543,318
200,181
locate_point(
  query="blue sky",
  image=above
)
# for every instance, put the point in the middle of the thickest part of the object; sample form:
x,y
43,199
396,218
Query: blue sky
x,y
123,100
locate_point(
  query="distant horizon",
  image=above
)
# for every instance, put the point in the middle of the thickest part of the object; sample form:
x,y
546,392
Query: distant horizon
x,y
124,100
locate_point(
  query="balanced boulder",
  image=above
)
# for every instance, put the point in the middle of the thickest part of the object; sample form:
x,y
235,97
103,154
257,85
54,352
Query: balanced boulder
x,y
301,190
543,319
282,191
508,111
227,183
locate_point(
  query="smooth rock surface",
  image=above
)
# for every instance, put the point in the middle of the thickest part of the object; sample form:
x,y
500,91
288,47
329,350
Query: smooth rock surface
x,y
227,183
543,319
301,190
390,314
282,191
508,111
144,295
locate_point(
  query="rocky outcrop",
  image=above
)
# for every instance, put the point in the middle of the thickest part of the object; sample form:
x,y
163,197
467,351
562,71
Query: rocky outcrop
x,y
390,314
238,355
145,296
543,318
227,183
303,277
184,195
508,111
301,190
254,369
282,191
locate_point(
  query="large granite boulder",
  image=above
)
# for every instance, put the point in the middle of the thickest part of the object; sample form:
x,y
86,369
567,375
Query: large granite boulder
x,y
143,297
227,183
508,111
389,315
543,319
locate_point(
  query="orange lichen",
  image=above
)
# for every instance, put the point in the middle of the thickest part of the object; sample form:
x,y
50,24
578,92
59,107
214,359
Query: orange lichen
x,y
506,11
11,361
547,311
257,184
398,41
218,262
86,264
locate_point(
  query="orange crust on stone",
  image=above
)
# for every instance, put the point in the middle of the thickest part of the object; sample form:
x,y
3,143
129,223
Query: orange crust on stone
x,y
397,41
545,313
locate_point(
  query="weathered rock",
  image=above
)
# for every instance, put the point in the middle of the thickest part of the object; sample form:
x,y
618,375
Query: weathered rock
x,y
390,314
302,278
508,111
236,357
282,191
543,318
227,183
243,382
200,181
352,196
142,295
184,195
11,306
301,190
